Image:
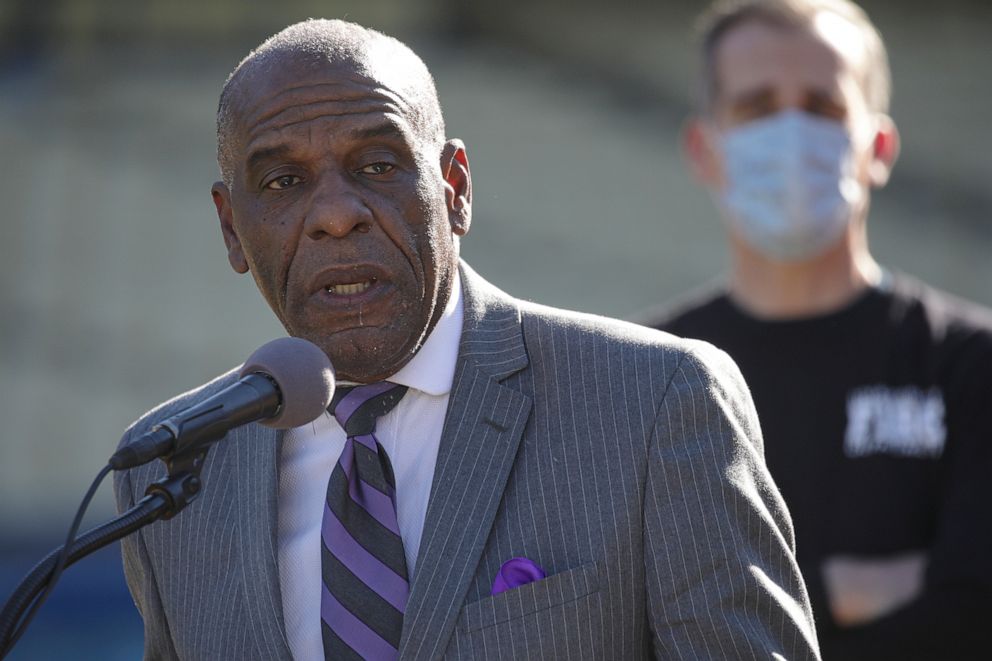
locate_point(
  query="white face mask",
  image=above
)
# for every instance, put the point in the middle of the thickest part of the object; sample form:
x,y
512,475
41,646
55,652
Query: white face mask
x,y
791,188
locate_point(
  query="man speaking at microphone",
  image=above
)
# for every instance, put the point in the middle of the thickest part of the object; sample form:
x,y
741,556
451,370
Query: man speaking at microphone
x,y
504,480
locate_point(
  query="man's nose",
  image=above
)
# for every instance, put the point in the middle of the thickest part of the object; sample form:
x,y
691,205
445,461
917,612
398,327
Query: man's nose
x,y
337,209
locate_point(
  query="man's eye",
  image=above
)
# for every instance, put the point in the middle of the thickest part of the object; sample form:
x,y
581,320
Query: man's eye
x,y
829,111
378,168
283,182
754,110
825,106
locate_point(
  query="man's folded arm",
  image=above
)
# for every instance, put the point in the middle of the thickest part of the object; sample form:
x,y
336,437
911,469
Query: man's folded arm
x,y
950,618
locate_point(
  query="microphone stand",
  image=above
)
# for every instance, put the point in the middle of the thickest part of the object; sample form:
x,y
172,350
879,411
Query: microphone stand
x,y
163,499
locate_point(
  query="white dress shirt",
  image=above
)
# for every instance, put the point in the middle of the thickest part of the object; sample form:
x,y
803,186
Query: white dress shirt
x,y
410,434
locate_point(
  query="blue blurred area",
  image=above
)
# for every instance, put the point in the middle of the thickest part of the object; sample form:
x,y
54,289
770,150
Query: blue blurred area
x,y
90,614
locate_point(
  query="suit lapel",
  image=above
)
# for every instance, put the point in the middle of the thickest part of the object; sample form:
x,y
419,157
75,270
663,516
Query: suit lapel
x,y
255,453
482,430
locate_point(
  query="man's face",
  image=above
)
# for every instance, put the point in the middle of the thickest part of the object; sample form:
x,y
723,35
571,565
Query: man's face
x,y
343,212
789,147
763,69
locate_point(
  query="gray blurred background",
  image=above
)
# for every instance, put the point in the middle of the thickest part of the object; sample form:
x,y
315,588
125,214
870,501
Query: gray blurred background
x,y
115,291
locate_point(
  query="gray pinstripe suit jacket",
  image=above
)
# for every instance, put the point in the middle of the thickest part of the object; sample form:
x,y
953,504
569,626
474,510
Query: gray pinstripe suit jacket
x,y
625,462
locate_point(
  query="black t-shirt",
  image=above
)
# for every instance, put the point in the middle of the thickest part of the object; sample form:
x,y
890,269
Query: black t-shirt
x,y
877,422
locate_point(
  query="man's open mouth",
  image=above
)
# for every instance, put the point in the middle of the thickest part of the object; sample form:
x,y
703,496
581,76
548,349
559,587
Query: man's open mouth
x,y
350,288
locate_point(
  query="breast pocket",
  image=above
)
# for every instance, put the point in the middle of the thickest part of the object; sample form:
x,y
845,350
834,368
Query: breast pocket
x,y
556,617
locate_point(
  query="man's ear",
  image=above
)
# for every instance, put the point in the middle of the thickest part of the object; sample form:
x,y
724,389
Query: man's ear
x,y
700,151
225,212
885,151
457,186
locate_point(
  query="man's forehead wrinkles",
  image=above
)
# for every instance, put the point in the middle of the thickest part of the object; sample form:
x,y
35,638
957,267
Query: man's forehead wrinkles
x,y
273,99
267,142
326,110
343,90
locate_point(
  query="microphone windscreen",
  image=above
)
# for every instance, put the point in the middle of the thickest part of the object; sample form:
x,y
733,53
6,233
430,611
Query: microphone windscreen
x,y
304,376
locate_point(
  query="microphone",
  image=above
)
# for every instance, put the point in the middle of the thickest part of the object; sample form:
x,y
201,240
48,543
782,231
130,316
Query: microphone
x,y
286,383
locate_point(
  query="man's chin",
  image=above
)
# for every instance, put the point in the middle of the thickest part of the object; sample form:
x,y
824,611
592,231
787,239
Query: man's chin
x,y
359,371
363,356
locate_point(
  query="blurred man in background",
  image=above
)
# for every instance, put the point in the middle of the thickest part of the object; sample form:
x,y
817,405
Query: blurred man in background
x,y
873,390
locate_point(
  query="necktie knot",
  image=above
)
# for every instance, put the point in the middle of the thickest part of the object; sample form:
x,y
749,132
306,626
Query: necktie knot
x,y
356,408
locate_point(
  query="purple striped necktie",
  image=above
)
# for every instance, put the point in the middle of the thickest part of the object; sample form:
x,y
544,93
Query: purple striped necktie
x,y
365,584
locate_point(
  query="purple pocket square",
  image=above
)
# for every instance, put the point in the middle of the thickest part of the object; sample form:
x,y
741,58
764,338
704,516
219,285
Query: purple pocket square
x,y
516,572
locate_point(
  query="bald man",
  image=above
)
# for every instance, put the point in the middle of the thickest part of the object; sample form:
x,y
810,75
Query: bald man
x,y
504,480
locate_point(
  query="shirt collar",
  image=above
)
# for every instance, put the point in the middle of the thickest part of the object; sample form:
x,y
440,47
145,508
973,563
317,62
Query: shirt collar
x,y
432,369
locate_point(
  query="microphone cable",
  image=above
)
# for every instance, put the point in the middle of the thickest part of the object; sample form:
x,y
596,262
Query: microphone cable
x,y
59,565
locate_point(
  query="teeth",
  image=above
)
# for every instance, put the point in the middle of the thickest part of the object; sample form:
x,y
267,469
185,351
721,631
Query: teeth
x,y
349,289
